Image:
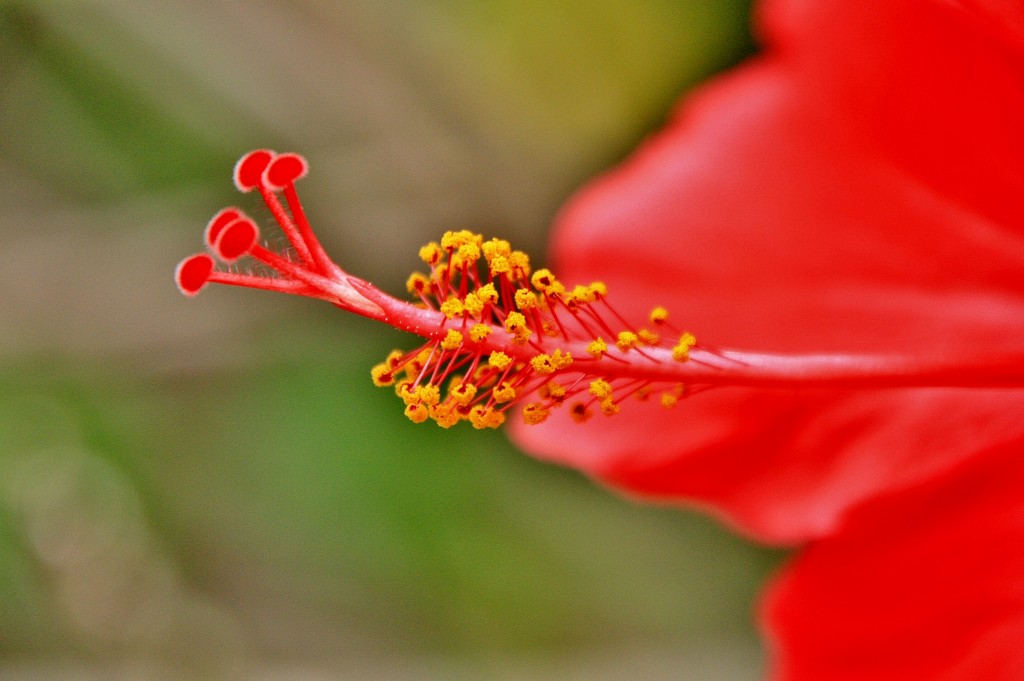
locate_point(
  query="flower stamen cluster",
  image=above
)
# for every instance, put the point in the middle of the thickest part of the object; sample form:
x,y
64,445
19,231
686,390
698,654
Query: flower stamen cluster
x,y
493,297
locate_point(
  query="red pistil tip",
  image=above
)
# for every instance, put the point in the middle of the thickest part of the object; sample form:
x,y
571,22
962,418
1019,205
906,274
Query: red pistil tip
x,y
236,239
218,222
283,170
193,273
249,169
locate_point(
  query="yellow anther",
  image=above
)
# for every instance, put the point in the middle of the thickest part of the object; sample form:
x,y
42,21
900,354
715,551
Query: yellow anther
x,y
413,368
561,360
431,253
444,415
479,332
668,400
416,412
504,393
473,305
520,263
552,391
394,358
462,393
681,352
452,241
408,394
382,375
608,407
496,248
452,308
535,413
499,360
600,388
579,412
418,283
526,299
485,417
499,264
581,295
544,280
469,253
429,394
488,294
597,347
627,340
515,324
659,315
648,337
452,341
542,364
514,320
599,289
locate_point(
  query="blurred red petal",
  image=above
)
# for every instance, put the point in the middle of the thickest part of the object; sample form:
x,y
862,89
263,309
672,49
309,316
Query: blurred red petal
x,y
926,585
834,196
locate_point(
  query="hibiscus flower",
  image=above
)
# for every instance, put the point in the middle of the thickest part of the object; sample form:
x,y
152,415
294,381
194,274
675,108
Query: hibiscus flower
x,y
846,209
855,189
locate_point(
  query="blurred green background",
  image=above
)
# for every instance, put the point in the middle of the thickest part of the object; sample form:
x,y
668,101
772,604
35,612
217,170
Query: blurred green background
x,y
213,488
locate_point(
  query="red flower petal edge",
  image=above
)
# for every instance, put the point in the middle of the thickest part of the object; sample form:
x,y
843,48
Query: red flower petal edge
x,y
796,206
923,584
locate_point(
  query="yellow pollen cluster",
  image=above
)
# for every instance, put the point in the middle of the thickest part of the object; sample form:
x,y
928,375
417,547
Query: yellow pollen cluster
x,y
479,332
659,315
452,341
627,340
504,393
485,417
431,254
525,299
535,413
499,360
549,364
504,334
602,390
681,352
515,324
553,391
452,308
648,337
546,282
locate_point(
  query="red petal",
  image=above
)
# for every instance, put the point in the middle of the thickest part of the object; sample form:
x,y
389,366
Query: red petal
x,y
777,215
935,86
925,585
